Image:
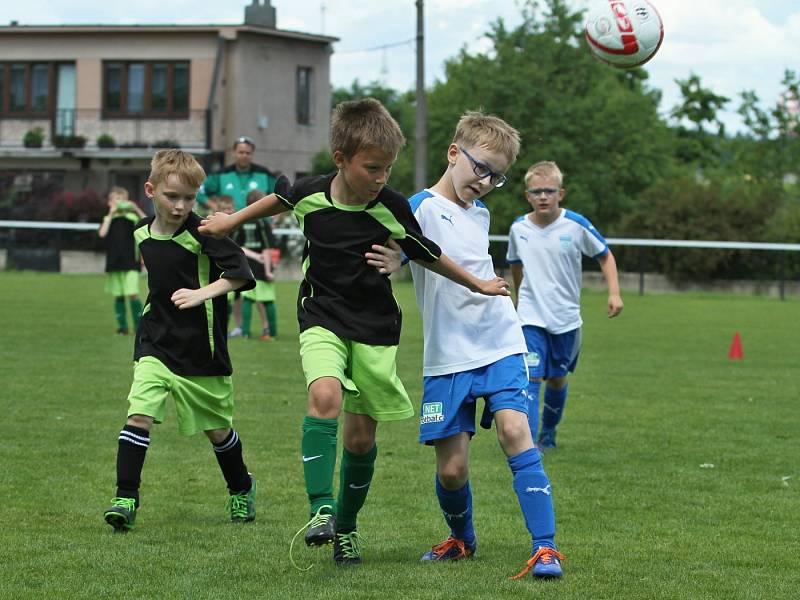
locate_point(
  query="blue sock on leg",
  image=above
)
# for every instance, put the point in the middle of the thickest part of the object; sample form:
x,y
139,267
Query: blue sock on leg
x,y
533,406
457,508
535,497
554,401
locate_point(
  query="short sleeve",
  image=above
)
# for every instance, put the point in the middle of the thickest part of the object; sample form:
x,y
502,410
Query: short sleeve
x,y
409,236
592,243
230,259
512,255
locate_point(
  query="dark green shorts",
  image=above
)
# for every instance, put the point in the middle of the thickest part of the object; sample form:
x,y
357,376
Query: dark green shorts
x,y
202,403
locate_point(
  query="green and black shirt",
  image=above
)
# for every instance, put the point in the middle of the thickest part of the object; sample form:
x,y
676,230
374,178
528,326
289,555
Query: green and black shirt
x,y
121,253
340,291
190,341
253,236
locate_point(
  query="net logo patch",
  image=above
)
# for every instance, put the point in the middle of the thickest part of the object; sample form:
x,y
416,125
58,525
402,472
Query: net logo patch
x,y
431,413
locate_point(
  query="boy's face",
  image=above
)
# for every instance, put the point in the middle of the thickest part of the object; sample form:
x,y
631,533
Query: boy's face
x,y
465,160
544,195
225,207
173,200
366,172
114,199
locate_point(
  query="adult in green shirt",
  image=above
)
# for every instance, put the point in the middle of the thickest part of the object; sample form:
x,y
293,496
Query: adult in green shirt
x,y
238,179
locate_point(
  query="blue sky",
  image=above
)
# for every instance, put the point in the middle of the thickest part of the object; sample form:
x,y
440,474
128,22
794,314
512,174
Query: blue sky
x,y
733,45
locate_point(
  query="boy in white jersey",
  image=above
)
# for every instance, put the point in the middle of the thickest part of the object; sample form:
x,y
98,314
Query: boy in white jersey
x,y
545,251
474,348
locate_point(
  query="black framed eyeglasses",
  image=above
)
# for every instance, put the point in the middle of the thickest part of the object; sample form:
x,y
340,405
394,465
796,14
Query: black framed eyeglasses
x,y
483,171
545,191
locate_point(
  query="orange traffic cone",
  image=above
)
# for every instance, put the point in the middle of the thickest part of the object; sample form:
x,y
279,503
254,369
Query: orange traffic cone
x,y
736,353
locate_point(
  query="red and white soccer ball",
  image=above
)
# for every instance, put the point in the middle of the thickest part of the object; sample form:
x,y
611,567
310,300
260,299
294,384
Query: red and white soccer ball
x,y
623,33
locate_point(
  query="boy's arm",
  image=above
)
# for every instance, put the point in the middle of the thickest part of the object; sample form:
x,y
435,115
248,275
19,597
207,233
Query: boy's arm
x,y
266,256
252,255
104,226
185,298
516,277
609,267
447,268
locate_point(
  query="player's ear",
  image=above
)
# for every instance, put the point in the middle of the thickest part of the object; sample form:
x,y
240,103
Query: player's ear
x,y
338,158
149,190
452,153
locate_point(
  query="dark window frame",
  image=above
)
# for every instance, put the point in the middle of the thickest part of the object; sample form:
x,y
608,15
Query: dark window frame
x,y
27,111
303,97
147,112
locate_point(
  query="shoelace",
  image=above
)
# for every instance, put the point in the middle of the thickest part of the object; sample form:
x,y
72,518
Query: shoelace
x,y
440,550
546,554
318,519
127,503
237,505
351,544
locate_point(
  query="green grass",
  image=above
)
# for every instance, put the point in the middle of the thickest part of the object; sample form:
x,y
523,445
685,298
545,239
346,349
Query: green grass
x,y
653,399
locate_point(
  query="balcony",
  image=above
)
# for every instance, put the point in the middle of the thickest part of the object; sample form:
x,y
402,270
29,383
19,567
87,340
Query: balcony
x,y
131,134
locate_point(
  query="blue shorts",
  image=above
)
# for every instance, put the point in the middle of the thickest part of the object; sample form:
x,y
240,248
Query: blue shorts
x,y
551,354
448,401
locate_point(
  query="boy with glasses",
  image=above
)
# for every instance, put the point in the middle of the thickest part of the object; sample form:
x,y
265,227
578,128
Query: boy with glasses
x,y
545,252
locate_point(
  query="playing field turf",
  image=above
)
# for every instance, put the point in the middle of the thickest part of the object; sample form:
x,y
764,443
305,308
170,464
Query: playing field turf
x,y
676,474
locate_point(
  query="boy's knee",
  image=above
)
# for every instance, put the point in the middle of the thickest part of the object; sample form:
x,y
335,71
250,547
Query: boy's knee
x,y
217,436
325,398
453,475
557,383
140,421
514,431
359,444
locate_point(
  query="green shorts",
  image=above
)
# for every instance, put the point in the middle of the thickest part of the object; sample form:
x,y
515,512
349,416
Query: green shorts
x,y
263,292
368,373
202,403
122,283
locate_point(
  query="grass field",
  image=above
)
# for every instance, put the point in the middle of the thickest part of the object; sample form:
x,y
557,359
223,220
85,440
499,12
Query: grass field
x,y
654,399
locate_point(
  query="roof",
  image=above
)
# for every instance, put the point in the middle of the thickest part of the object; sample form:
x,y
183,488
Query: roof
x,y
225,30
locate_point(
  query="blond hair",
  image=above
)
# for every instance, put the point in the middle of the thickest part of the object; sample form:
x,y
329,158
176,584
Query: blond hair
x,y
545,168
119,191
179,163
357,125
479,129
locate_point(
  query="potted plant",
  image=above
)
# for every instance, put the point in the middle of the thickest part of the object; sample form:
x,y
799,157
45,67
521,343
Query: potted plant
x,y
105,140
69,141
34,138
166,143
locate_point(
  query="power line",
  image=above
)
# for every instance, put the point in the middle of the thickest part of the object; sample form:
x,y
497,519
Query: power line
x,y
381,47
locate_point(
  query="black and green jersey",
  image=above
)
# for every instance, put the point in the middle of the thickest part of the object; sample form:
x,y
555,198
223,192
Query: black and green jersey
x,y
230,182
121,253
340,291
253,236
190,341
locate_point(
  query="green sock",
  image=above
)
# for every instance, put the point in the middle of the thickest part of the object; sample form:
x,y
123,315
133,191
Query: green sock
x,y
136,311
272,318
319,460
119,310
247,313
355,478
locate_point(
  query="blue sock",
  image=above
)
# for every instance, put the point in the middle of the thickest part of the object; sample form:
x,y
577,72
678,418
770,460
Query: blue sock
x,y
554,401
457,509
533,406
535,497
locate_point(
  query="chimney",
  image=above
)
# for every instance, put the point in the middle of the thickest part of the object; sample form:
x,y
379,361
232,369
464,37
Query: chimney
x,y
260,15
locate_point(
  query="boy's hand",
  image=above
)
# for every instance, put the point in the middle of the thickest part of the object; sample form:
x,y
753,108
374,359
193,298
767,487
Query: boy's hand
x,y
615,305
493,287
387,259
184,298
215,225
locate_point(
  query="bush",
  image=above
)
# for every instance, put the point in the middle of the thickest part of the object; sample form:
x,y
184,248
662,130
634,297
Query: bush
x,y
166,144
34,138
69,141
106,141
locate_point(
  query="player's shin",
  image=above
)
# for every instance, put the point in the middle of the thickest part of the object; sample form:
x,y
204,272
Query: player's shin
x,y
535,496
355,479
319,460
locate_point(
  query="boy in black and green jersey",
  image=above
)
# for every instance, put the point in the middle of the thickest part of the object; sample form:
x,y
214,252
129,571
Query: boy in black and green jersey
x,y
181,347
349,319
122,256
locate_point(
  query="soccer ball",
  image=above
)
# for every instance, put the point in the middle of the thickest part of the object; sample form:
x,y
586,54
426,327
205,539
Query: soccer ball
x,y
623,33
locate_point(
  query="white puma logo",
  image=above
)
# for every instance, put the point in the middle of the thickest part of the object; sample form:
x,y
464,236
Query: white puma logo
x,y
308,458
544,490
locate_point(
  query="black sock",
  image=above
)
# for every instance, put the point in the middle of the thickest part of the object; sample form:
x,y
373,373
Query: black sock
x,y
229,457
133,444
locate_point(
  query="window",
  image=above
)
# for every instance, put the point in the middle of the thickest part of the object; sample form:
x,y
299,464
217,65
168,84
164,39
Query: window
x,y
25,88
148,89
304,95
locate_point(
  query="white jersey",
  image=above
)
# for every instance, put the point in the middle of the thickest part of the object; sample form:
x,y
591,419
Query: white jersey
x,y
463,330
550,294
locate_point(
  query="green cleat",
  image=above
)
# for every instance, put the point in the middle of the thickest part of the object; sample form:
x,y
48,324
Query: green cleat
x,y
321,528
122,514
347,549
242,505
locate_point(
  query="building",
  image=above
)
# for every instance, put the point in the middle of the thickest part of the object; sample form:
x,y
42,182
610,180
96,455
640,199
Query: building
x,y
84,106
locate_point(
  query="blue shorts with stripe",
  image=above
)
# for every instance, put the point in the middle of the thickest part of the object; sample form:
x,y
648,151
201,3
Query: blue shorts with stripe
x,y
551,354
449,401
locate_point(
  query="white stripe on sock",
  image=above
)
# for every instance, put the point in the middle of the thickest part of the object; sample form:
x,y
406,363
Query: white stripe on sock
x,y
234,439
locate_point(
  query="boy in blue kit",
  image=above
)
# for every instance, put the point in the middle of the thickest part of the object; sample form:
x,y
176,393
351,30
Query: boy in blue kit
x,y
474,348
545,251
180,347
349,320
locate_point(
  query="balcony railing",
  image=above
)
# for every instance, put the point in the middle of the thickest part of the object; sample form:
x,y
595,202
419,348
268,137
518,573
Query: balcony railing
x,y
189,129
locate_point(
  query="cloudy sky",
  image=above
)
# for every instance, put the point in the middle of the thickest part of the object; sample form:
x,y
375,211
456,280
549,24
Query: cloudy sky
x,y
733,45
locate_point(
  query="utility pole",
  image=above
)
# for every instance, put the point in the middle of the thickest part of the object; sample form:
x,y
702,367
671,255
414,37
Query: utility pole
x,y
421,127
